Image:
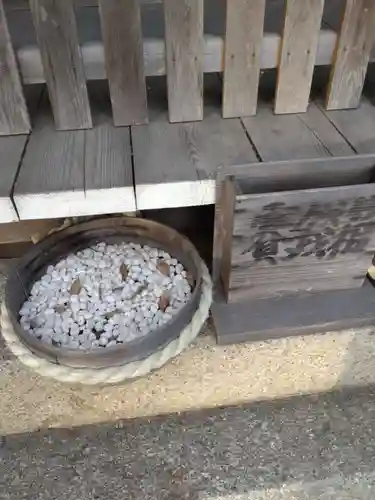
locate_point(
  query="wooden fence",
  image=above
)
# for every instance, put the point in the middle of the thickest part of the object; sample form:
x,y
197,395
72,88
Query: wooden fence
x,y
125,58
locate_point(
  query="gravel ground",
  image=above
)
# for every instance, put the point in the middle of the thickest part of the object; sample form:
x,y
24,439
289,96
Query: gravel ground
x,y
303,448
300,448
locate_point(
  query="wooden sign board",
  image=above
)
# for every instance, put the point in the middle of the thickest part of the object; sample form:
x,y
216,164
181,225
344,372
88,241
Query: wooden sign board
x,y
270,241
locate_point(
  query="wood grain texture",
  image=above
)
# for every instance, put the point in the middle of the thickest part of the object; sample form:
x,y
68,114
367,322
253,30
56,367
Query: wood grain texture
x,y
184,56
354,45
11,150
14,117
176,164
300,314
357,126
50,183
123,44
57,36
243,46
223,230
303,240
108,164
298,51
288,137
154,47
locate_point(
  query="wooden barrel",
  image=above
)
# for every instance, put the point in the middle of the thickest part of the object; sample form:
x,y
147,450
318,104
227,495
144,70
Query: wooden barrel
x,y
33,265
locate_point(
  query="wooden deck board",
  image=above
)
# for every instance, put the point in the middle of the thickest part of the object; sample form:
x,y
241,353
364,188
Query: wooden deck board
x,y
51,178
357,125
175,164
11,149
108,164
11,153
299,136
71,173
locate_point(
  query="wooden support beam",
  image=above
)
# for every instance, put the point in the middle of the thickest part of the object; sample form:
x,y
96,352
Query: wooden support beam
x,y
57,36
14,118
184,55
354,46
243,46
123,45
297,58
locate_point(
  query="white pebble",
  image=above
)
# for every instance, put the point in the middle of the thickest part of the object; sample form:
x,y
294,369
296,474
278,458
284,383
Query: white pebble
x,y
116,309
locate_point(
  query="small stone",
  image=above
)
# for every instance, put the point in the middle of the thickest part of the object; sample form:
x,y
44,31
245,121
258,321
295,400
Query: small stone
x,y
164,301
76,287
163,267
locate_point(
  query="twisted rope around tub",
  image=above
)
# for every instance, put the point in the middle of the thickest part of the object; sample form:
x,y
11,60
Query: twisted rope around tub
x,y
115,374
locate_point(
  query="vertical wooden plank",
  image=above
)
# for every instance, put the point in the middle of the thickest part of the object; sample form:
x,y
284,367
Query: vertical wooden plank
x,y
14,118
243,44
223,232
57,36
354,45
297,58
184,54
122,37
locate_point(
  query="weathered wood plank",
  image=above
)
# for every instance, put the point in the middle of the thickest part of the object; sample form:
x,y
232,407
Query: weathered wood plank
x,y
223,229
50,183
243,45
108,165
11,150
184,56
176,164
354,45
286,137
315,238
154,49
300,314
123,44
299,46
57,36
14,117
357,126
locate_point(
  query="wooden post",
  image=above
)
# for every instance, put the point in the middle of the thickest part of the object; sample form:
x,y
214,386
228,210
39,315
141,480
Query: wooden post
x,y
243,45
298,50
122,37
14,118
184,47
354,45
57,36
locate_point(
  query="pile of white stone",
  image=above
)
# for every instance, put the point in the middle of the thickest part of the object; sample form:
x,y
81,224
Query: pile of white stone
x,y
105,296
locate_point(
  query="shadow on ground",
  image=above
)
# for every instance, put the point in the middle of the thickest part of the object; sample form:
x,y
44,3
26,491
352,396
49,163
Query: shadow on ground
x,y
323,446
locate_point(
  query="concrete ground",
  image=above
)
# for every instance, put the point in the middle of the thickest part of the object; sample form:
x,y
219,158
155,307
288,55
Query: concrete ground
x,y
291,419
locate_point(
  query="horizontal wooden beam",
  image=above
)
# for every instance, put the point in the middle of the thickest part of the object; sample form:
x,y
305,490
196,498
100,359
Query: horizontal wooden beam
x,y
154,56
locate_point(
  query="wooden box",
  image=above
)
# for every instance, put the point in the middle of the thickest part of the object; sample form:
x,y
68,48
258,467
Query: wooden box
x,y
295,226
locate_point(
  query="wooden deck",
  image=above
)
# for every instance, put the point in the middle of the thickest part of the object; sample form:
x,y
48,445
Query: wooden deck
x,y
111,169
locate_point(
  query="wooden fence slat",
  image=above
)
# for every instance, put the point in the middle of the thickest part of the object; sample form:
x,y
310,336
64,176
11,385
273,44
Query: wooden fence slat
x,y
299,46
354,45
122,37
14,118
184,54
57,36
243,45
